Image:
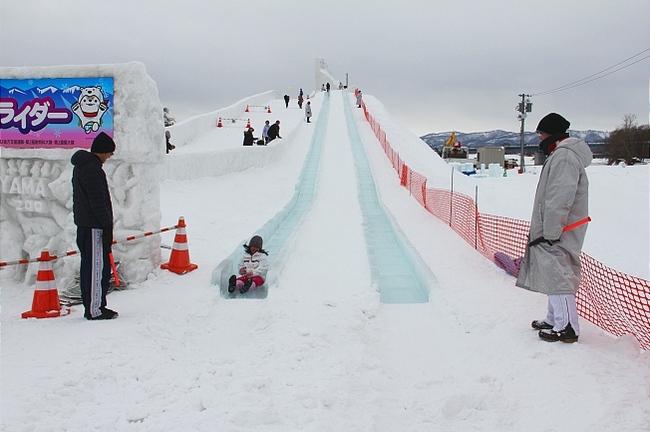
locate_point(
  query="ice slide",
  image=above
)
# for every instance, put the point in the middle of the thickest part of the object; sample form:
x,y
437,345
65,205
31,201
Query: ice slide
x,y
397,271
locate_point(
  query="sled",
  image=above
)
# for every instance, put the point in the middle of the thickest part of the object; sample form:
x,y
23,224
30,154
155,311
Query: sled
x,y
509,264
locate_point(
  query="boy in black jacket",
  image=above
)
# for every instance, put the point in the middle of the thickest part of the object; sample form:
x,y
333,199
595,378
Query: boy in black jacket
x,y
93,215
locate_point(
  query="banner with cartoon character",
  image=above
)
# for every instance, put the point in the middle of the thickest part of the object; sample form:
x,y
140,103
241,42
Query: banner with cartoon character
x,y
55,112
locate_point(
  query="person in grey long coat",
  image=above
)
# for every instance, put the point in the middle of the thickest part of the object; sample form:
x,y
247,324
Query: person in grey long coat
x,y
308,111
551,264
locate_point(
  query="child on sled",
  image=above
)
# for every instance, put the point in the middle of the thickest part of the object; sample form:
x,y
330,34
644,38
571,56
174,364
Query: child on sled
x,y
252,267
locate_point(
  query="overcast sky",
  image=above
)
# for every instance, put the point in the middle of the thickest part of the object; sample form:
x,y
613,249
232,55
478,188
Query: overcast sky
x,y
436,65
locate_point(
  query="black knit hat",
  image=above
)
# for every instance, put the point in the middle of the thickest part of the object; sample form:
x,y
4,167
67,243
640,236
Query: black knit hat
x,y
553,124
256,241
103,144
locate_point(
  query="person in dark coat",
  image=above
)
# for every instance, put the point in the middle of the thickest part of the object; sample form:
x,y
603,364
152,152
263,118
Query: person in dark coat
x,y
249,139
169,145
286,100
274,131
93,215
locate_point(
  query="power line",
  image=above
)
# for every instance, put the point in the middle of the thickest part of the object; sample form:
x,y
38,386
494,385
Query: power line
x,y
597,75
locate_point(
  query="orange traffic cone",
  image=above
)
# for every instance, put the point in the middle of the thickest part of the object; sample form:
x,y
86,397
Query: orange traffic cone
x,y
46,297
268,109
246,110
248,125
219,124
179,260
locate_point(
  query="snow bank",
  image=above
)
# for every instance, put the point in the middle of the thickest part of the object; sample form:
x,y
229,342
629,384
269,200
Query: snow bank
x,y
185,131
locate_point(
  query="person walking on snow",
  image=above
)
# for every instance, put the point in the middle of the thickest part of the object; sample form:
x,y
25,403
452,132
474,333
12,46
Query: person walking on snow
x,y
286,101
93,214
308,111
551,263
359,97
253,267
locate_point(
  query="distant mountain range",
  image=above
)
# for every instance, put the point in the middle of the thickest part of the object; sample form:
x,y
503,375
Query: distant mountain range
x,y
499,138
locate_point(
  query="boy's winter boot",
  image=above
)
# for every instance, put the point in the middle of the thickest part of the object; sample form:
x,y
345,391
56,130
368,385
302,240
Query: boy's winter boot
x,y
246,286
567,335
232,283
541,325
107,314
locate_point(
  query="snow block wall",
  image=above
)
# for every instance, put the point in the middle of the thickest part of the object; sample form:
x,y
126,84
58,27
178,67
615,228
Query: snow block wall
x,y
186,130
36,199
217,161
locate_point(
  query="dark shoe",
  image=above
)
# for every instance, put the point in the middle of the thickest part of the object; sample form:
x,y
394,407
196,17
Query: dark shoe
x,y
232,283
567,335
247,286
107,314
541,325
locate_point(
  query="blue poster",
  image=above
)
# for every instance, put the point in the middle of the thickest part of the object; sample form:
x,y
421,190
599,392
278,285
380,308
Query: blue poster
x,y
55,112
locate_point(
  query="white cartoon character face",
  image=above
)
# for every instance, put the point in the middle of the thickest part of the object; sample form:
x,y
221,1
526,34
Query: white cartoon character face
x,y
90,99
90,107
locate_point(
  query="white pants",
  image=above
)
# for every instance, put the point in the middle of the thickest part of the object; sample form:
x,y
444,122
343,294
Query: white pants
x,y
562,310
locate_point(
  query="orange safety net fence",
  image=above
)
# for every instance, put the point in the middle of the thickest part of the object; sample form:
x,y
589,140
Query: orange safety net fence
x,y
614,301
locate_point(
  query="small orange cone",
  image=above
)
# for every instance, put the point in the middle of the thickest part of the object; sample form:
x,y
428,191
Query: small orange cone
x,y
268,109
46,302
179,260
248,125
246,110
219,124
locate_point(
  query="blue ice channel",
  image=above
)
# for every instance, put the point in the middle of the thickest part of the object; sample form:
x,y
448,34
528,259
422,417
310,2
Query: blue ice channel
x,y
277,232
398,271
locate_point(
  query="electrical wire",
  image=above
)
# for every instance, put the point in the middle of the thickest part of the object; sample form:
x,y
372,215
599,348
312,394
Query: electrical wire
x,y
597,75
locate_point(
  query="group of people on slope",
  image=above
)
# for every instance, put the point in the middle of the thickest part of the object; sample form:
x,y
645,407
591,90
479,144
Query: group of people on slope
x,y
269,133
300,99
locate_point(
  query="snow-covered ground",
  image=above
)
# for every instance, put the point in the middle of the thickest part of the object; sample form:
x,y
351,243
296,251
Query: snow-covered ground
x,y
321,353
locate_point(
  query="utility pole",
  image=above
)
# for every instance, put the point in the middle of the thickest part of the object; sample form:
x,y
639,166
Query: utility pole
x,y
525,106
346,80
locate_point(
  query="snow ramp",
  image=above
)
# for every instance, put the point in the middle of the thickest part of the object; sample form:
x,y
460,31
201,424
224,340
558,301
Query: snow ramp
x,y
344,224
